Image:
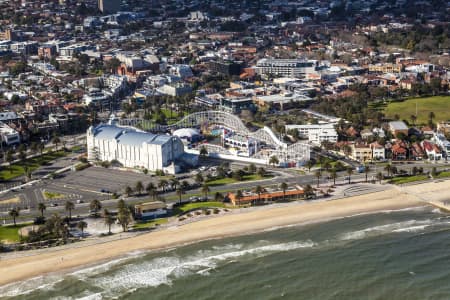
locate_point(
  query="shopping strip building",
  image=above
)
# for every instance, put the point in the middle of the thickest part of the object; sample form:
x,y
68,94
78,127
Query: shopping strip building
x,y
137,149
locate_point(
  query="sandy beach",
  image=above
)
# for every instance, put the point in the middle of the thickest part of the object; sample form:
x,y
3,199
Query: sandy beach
x,y
54,260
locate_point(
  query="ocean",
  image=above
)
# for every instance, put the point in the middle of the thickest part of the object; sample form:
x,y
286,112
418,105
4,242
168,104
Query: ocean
x,y
389,255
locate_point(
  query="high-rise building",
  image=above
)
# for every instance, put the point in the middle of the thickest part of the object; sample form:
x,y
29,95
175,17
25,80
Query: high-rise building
x,y
109,6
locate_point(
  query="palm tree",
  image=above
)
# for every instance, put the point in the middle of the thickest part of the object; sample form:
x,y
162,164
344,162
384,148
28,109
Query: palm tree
x,y
9,158
109,220
33,147
179,193
41,147
309,164
151,190
198,178
349,173
124,217
174,182
205,190
82,226
261,172
56,140
218,197
413,119
139,187
318,174
431,115
273,160
380,176
333,175
284,187
69,206
388,169
128,191
95,206
259,190
239,197
163,184
308,191
14,213
366,170
27,172
41,208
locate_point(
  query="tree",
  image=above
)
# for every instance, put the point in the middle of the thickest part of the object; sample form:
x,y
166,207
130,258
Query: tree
x,y
109,220
151,190
82,226
431,116
95,206
69,207
333,175
273,160
124,217
366,170
349,174
259,190
174,182
388,169
9,159
163,183
128,191
198,178
218,197
284,187
252,168
139,187
41,147
261,172
205,190
318,174
309,165
308,191
239,197
203,151
179,193
14,213
56,140
41,208
413,119
380,176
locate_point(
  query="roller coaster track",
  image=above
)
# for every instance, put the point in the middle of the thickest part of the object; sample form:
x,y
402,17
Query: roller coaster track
x,y
230,121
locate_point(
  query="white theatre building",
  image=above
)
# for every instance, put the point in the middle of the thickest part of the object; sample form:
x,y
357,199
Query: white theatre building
x,y
137,149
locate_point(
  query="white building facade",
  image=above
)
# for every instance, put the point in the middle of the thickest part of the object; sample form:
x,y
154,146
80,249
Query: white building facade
x,y
134,148
316,133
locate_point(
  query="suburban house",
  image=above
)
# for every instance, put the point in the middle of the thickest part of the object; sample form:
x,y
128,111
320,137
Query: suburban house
x,y
361,152
399,151
397,127
432,150
378,151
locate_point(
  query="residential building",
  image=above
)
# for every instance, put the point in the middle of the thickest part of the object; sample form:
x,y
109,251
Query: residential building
x,y
285,67
361,152
316,133
432,150
8,135
280,101
442,142
225,67
378,151
397,127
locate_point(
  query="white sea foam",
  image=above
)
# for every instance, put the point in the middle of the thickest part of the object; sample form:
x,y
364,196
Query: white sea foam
x,y
406,226
163,270
28,286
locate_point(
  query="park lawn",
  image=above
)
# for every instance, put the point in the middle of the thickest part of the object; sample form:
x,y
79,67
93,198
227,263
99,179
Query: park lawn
x,y
444,174
16,169
408,179
150,223
197,205
226,180
52,195
440,105
10,233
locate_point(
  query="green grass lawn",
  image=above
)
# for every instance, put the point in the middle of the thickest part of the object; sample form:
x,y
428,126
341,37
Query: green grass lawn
x,y
16,169
226,180
150,224
196,205
440,105
11,233
444,174
402,180
51,195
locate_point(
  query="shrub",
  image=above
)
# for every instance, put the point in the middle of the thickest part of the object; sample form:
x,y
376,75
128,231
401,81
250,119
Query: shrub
x,y
216,211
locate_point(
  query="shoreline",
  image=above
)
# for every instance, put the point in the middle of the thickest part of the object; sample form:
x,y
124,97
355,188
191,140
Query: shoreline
x,y
243,223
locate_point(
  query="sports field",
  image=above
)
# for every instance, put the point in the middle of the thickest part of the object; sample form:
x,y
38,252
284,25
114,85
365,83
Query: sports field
x,y
439,105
